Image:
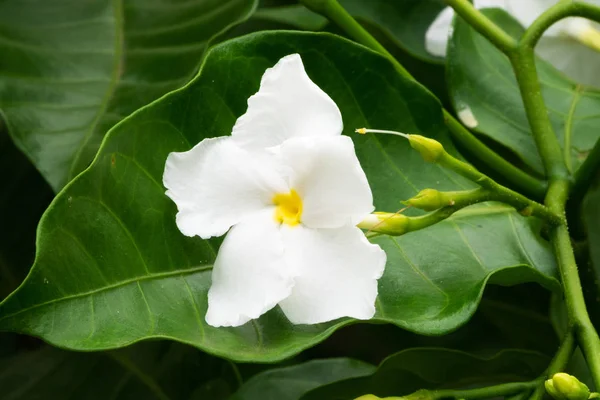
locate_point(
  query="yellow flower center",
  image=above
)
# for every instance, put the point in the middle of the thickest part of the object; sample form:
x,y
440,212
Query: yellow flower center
x,y
288,208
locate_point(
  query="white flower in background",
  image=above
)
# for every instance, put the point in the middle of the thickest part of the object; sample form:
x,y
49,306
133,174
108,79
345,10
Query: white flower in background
x,y
572,45
292,191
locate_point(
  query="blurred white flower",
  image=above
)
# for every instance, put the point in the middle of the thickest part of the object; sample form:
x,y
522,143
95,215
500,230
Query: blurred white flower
x,y
292,191
572,45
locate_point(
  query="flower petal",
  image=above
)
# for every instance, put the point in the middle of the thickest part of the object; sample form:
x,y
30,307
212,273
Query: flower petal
x,y
329,179
250,275
337,274
288,104
436,37
217,184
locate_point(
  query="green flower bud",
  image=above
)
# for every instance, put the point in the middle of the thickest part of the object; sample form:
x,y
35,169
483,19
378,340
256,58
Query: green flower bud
x,y
430,149
382,222
373,397
566,387
429,200
552,391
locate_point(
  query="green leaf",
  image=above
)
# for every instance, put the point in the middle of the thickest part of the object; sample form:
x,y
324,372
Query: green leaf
x,y
112,267
71,70
153,371
486,97
404,21
290,383
430,368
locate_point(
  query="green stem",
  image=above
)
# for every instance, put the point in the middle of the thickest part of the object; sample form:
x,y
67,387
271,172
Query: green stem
x,y
483,25
555,13
526,183
578,315
523,61
504,389
499,192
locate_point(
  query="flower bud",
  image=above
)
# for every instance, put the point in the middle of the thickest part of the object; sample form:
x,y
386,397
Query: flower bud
x,y
430,149
429,200
566,387
368,397
388,223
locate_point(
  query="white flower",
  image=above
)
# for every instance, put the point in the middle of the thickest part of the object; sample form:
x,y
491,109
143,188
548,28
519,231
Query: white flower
x,y
292,191
556,46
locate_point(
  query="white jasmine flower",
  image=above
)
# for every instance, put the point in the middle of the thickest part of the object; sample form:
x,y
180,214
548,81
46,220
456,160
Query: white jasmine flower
x,y
290,191
557,45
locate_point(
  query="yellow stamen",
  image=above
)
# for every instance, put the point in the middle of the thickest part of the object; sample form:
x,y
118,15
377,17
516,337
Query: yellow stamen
x,y
288,208
364,131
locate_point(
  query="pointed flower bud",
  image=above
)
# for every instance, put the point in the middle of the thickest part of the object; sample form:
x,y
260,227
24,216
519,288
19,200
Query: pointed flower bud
x,y
430,149
566,387
388,223
429,200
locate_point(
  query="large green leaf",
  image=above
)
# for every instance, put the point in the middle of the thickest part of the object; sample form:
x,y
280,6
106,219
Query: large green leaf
x,y
71,69
429,368
292,382
485,94
152,371
112,268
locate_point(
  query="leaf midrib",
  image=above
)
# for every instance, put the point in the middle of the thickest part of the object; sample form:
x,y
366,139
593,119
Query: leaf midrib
x,y
159,275
117,70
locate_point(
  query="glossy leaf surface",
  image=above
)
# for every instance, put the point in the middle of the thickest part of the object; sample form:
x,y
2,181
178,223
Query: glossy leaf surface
x,y
152,371
486,96
71,69
429,368
112,268
292,382
404,21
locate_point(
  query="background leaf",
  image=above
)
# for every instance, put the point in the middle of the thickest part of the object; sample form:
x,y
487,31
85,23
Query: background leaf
x,y
70,69
404,21
153,371
24,197
292,382
486,97
429,368
112,268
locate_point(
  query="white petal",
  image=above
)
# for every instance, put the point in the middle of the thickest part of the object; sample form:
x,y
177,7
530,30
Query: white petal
x,y
436,37
526,11
490,4
574,59
329,179
250,275
217,184
337,274
288,104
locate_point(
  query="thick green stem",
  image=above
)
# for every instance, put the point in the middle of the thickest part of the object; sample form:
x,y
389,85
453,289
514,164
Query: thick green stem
x,y
578,315
523,61
558,364
483,25
555,13
488,392
526,183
